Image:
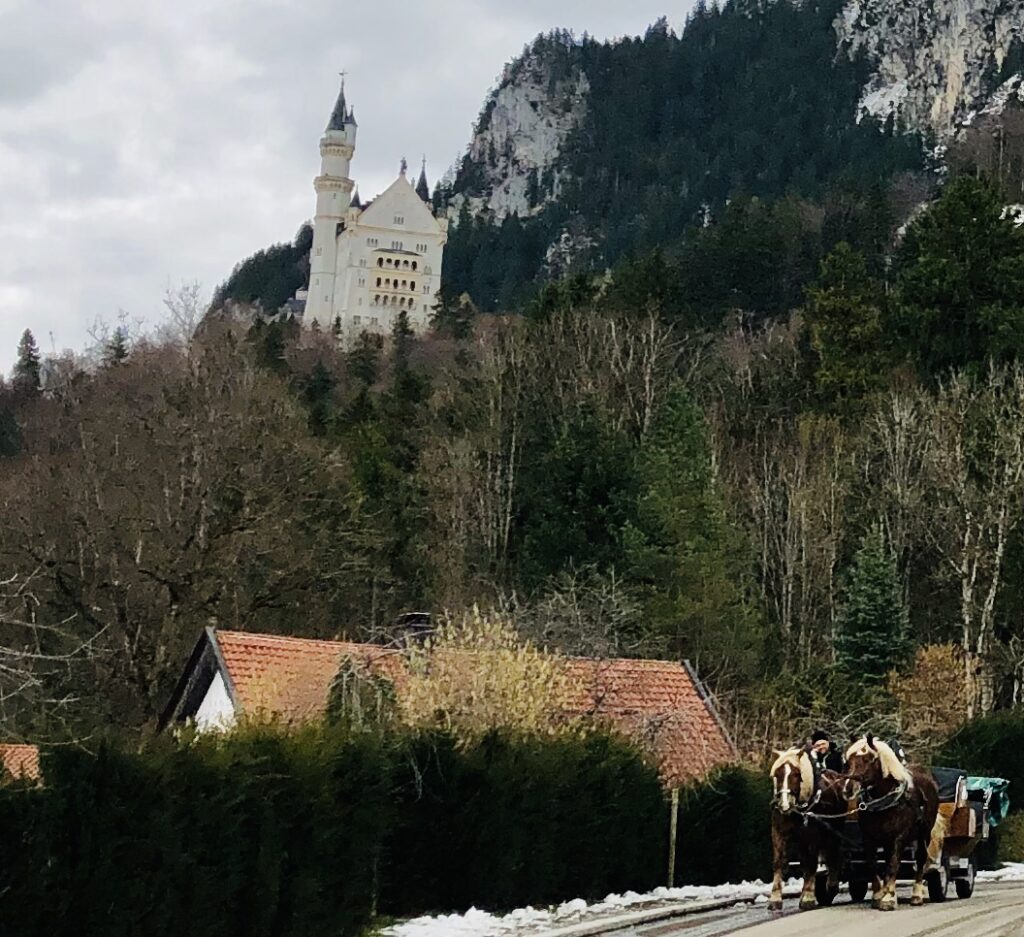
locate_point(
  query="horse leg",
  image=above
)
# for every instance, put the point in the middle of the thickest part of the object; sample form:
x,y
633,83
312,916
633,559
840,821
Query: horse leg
x,y
809,867
871,873
833,862
892,870
778,862
921,860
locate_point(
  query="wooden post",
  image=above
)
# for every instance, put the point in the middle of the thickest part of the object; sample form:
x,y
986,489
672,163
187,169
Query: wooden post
x,y
673,823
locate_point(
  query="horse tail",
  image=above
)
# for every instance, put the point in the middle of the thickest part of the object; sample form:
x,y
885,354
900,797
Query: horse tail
x,y
938,837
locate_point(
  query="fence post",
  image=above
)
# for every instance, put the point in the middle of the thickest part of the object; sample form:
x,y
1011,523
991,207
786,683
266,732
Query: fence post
x,y
673,823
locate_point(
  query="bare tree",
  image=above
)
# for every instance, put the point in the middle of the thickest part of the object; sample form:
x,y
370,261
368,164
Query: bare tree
x,y
975,465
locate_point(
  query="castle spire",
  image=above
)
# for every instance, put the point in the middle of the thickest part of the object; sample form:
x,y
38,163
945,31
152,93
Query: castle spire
x,y
404,166
422,188
356,201
341,115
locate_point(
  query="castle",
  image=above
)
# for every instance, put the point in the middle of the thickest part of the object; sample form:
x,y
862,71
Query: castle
x,y
370,262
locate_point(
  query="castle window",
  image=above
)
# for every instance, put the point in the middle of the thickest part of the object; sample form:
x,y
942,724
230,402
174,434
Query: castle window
x,y
390,261
371,242
414,265
412,285
399,219
362,281
362,261
373,321
405,283
380,261
378,281
412,305
405,264
319,251
426,287
356,320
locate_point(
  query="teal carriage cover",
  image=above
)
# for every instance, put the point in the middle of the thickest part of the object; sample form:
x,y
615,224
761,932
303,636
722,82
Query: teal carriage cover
x,y
997,796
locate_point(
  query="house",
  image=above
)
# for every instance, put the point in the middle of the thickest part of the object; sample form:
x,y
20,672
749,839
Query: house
x,y
19,761
661,704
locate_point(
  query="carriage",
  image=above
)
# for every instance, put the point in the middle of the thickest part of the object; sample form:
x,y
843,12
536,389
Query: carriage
x,y
971,806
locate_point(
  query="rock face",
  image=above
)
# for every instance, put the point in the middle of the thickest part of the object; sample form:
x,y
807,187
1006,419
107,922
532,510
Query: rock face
x,y
512,164
935,62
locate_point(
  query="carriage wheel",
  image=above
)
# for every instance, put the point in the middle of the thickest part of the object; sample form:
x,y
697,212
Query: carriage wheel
x,y
938,884
858,890
965,886
822,894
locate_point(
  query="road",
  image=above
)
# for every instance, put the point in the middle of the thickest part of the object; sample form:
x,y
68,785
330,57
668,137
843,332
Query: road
x,y
996,910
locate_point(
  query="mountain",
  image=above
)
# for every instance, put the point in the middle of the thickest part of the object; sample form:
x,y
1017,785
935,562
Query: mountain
x,y
587,152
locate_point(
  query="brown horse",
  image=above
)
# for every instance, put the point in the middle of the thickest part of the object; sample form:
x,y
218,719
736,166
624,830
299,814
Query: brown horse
x,y
899,806
809,812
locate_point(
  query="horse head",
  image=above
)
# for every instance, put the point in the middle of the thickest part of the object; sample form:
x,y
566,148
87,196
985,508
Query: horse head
x,y
869,761
792,780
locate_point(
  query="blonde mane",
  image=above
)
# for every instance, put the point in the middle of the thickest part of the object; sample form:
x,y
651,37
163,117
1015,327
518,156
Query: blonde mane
x,y
892,767
799,759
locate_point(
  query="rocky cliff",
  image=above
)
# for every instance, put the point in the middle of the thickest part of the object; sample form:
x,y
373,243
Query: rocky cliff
x,y
934,63
512,166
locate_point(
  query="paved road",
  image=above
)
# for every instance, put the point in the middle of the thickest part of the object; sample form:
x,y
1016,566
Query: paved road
x,y
996,910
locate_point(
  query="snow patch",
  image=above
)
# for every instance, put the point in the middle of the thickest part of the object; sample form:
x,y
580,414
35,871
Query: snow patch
x,y
528,920
1010,872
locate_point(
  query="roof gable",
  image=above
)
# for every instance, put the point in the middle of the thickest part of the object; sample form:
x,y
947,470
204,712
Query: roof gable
x,y
400,198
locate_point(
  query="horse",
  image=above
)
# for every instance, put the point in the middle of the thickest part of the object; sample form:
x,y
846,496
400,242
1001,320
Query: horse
x,y
809,812
899,805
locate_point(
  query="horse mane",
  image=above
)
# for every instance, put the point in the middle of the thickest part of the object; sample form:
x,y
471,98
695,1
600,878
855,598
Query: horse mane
x,y
799,759
892,767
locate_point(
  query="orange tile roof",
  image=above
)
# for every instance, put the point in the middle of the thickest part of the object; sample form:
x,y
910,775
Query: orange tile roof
x,y
291,677
658,704
655,702
20,761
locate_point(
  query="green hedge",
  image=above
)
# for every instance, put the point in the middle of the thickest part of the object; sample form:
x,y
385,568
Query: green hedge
x,y
724,832
992,746
511,822
261,834
268,833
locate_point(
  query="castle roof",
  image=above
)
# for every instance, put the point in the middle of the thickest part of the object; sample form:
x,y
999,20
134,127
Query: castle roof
x,y
422,188
341,115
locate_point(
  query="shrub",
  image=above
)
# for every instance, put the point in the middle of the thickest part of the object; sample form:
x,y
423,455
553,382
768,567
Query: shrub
x,y
254,833
510,820
476,674
724,831
991,746
1011,839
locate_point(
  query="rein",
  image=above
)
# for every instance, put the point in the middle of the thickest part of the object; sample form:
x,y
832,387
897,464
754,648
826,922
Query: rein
x,y
885,802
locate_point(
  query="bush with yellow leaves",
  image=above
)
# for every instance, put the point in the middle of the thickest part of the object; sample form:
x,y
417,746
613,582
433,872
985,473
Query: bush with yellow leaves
x,y
475,674
932,697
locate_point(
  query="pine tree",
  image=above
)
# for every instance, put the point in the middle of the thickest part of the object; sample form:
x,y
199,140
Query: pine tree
x,y
872,638
116,349
28,367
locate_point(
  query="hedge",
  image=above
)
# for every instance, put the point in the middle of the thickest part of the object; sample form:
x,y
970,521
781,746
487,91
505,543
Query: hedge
x,y
724,830
511,822
992,746
258,834
268,833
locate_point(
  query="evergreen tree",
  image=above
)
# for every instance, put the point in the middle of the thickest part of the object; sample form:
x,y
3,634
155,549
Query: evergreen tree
x,y
682,546
872,637
115,350
28,367
961,281
845,315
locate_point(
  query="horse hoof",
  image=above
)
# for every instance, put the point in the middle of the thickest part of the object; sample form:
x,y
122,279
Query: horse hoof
x,y
774,905
887,906
808,904
876,903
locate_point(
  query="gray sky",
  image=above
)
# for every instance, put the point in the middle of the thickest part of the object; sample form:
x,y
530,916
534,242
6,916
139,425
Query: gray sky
x,y
143,145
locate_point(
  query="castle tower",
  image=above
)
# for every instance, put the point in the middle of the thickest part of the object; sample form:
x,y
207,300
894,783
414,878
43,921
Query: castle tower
x,y
333,196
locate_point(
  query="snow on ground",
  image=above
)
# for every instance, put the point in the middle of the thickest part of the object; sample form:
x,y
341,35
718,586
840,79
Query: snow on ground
x,y
528,920
1010,872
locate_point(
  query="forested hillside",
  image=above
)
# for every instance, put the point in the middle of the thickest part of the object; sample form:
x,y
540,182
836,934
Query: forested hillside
x,y
799,505
752,100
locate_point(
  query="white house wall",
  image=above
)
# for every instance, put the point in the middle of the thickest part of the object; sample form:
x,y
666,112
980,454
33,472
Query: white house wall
x,y
216,711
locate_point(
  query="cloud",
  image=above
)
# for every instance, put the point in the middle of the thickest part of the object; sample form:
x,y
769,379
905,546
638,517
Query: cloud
x,y
144,145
